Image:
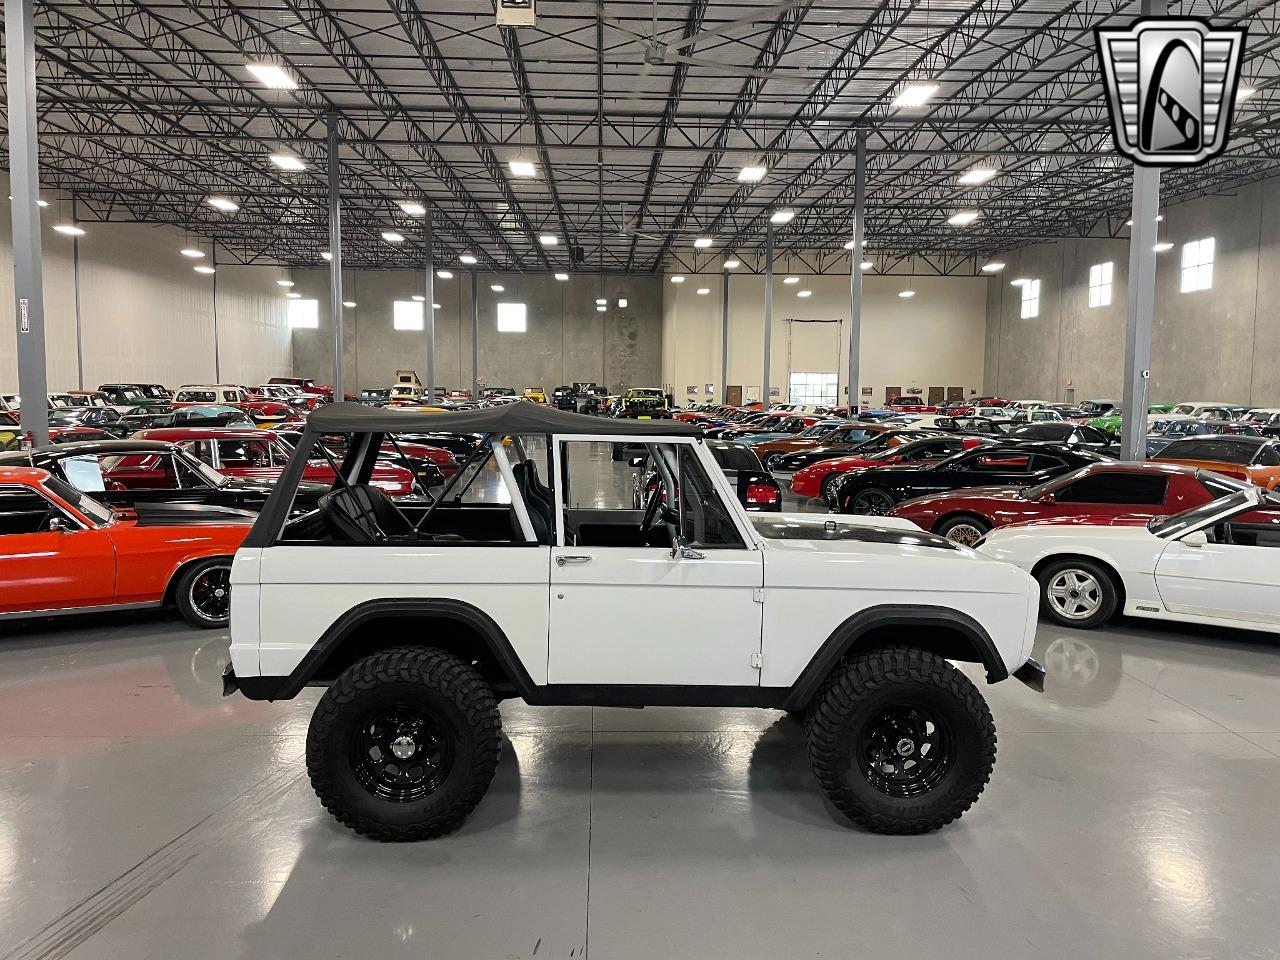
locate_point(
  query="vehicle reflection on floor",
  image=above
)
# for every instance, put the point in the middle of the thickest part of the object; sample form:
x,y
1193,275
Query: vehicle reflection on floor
x,y
1129,812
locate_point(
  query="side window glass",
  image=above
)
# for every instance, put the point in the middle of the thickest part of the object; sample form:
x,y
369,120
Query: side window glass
x,y
705,521
22,510
84,473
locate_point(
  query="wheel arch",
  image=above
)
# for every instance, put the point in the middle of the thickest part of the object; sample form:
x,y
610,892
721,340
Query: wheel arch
x,y
1108,567
942,630
383,624
169,597
958,514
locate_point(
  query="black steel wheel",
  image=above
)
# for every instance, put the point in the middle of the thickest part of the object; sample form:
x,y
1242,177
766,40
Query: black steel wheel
x,y
404,744
203,593
900,740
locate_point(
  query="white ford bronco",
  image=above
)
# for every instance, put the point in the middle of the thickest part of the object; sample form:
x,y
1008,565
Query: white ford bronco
x,y
540,580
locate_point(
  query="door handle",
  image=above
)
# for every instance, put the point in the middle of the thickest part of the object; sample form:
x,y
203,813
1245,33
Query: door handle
x,y
571,558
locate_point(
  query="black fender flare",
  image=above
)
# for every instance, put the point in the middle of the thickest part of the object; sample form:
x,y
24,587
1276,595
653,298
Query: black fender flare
x,y
846,636
285,688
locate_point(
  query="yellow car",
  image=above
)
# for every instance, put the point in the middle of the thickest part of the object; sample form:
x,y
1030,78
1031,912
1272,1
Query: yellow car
x,y
536,394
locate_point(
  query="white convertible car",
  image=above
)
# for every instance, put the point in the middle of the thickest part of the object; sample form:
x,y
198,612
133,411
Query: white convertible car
x,y
1215,564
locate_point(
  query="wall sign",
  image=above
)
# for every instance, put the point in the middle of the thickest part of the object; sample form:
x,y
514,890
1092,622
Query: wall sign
x,y
24,322
690,390
711,388
867,391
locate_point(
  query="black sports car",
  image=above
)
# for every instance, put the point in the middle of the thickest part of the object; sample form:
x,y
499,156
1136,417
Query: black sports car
x,y
106,419
150,471
1069,434
757,490
877,490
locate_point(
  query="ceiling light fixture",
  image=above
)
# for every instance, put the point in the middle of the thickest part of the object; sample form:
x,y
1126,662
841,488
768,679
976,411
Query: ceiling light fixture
x,y
562,277
70,229
287,161
548,240
1244,93
392,236
1163,246
804,293
963,218
444,274
284,283
272,76
622,303
791,279
600,302
293,296
468,258
326,255
850,244
223,204
702,243
733,263
435,306
39,203
195,253
348,304
867,264
914,95
419,298
703,291
522,168
600,309
906,294
204,268
677,279
412,207
752,173
1020,282
782,216
977,175
995,266
497,287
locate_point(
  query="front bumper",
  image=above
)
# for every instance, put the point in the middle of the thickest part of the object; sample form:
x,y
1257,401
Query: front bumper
x,y
1032,674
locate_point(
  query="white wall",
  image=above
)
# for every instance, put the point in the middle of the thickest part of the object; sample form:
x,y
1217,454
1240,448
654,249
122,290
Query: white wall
x,y
935,338
145,314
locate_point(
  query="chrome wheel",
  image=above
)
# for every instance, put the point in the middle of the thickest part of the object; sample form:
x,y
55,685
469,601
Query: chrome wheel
x,y
1074,594
829,487
210,594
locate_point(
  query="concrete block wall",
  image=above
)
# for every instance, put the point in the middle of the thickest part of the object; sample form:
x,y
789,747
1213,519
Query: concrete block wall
x,y
1216,344
566,340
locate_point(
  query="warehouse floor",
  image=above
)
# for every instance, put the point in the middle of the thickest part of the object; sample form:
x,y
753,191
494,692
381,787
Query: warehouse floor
x,y
1131,815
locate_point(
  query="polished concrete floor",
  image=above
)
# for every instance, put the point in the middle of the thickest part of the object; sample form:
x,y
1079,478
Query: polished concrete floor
x,y
1131,815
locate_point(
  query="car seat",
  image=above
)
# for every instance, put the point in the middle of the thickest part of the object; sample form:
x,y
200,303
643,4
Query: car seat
x,y
363,513
536,498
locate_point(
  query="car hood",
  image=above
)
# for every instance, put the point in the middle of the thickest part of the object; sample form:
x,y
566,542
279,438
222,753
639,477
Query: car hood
x,y
829,527
267,483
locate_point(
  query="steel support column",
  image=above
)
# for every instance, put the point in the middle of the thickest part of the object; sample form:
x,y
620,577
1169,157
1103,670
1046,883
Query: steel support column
x,y
24,185
855,277
75,286
475,339
428,308
335,253
724,337
1142,294
768,314
217,337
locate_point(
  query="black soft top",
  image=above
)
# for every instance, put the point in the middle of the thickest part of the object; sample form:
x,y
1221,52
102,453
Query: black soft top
x,y
509,418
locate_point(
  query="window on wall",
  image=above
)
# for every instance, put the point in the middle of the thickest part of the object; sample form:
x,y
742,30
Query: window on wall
x,y
1197,265
1030,299
406,315
816,388
512,318
304,313
1100,284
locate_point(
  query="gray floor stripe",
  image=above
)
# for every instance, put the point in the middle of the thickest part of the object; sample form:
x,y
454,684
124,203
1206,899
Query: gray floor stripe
x,y
74,926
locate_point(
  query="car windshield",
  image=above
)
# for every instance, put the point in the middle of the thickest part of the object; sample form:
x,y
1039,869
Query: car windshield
x,y
1188,519
99,513
65,419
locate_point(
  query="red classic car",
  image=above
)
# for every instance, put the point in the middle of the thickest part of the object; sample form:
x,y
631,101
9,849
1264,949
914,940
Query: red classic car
x,y
336,444
260,409
911,405
1096,493
61,551
307,385
818,479
251,454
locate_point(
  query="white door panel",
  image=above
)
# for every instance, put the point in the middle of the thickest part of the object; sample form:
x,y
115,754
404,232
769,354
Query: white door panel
x,y
1221,580
305,589
629,615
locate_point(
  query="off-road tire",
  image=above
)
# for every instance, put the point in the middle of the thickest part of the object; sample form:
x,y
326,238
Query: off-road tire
x,y
182,596
862,686
457,696
1108,596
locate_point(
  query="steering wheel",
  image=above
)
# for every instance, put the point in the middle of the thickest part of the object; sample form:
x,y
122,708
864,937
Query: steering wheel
x,y
653,507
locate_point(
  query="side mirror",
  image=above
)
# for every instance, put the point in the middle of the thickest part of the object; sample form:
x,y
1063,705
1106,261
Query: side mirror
x,y
1197,538
680,549
58,525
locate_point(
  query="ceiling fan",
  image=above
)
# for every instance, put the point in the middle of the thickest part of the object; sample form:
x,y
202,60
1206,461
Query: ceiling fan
x,y
631,228
661,53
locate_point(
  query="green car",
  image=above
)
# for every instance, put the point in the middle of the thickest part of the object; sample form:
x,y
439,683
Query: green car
x,y
1110,425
